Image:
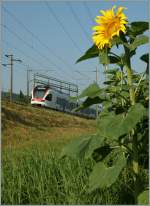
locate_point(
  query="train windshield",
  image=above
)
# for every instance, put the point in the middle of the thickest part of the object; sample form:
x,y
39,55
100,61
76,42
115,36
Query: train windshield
x,y
39,93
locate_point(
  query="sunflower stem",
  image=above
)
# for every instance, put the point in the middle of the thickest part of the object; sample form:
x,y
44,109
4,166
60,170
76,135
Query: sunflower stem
x,y
122,100
135,163
131,91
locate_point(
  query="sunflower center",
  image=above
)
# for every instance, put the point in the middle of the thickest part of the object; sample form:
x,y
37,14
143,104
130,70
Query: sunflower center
x,y
112,27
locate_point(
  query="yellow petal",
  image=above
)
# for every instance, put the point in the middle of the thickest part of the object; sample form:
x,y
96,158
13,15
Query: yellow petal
x,y
102,11
120,10
109,25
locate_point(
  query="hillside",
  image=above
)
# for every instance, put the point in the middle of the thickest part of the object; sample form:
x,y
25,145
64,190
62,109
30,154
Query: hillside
x,y
23,125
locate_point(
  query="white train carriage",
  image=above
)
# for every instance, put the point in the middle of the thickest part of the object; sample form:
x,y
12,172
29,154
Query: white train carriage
x,y
50,98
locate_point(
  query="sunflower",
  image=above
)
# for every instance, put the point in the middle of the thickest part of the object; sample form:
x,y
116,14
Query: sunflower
x,y
109,25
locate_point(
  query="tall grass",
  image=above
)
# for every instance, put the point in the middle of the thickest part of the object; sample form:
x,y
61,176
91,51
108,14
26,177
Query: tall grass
x,y
33,176
36,174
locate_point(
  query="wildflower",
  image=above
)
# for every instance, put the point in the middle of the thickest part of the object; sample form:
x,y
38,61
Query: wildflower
x,y
109,25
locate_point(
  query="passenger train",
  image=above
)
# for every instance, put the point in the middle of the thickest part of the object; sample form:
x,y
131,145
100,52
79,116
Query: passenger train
x,y
50,98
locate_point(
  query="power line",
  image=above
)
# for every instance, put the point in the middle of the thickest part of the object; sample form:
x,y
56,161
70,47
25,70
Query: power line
x,y
19,50
33,35
32,58
33,48
87,10
27,44
78,21
62,26
82,74
36,37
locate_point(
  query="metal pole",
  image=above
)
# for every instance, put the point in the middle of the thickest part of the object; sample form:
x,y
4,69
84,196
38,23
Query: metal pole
x,y
11,78
11,73
34,80
28,82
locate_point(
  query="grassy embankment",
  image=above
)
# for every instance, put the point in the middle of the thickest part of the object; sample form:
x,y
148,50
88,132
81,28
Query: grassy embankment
x,y
32,139
33,173
23,126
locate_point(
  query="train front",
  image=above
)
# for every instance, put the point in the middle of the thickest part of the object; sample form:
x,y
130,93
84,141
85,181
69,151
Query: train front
x,y
38,96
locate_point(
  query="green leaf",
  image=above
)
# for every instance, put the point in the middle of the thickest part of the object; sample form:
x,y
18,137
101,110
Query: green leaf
x,y
138,41
143,198
109,82
103,54
88,102
103,177
145,58
114,60
83,146
96,142
111,71
113,126
76,148
116,40
138,28
91,91
90,53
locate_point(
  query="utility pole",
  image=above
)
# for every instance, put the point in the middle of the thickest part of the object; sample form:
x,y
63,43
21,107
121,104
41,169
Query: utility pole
x,y
28,81
11,77
10,56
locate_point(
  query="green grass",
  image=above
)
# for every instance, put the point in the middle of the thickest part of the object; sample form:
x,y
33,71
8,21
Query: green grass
x,y
33,176
32,171
37,175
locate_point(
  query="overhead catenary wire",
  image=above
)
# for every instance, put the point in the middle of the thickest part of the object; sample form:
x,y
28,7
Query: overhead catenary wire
x,y
19,50
39,53
26,43
32,58
31,68
34,70
78,21
88,11
62,26
34,36
37,38
82,74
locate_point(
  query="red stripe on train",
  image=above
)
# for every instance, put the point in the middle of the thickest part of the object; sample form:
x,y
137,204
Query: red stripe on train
x,y
38,99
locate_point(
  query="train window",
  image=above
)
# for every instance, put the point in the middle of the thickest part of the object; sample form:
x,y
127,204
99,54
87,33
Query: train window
x,y
39,93
61,101
49,97
58,100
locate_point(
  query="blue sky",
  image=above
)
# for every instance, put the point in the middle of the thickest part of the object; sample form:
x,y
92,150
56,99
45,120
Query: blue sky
x,y
44,44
